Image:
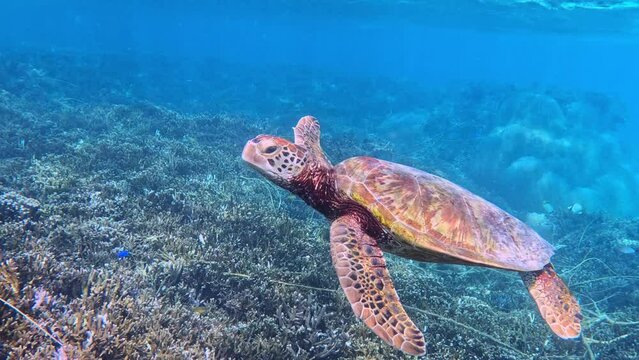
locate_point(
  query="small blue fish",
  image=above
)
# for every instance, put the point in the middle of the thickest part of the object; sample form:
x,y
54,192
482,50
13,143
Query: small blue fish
x,y
122,254
626,250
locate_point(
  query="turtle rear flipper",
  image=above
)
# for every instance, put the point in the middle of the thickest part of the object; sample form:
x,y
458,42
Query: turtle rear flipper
x,y
555,302
362,273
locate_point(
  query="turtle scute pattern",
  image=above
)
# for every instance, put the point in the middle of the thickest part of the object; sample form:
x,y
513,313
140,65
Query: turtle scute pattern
x,y
362,273
431,213
555,302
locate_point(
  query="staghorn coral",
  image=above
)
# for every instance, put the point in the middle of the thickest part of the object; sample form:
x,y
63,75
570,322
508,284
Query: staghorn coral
x,y
306,332
16,207
224,265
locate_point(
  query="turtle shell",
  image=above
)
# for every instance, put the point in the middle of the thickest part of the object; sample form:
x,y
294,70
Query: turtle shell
x,y
431,216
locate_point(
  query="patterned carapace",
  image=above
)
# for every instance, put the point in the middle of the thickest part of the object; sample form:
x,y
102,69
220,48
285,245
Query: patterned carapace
x,y
433,214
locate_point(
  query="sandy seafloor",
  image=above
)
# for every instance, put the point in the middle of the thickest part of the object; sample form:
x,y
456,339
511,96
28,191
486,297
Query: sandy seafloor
x,y
129,228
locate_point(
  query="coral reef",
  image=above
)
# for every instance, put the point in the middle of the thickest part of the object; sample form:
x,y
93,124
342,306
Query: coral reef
x,y
561,149
221,263
537,146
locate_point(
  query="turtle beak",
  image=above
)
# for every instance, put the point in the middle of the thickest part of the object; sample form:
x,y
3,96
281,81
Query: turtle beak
x,y
252,155
249,152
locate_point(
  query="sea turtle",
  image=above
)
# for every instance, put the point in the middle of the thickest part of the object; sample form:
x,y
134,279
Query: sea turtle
x,y
377,206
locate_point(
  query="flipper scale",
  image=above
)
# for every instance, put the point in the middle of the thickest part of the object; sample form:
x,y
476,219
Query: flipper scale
x,y
362,273
556,304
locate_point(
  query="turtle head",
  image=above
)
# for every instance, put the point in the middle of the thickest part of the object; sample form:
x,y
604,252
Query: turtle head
x,y
278,159
289,164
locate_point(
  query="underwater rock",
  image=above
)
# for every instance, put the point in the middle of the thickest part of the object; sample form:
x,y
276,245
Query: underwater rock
x,y
556,147
524,164
587,197
404,126
619,193
534,110
540,223
551,186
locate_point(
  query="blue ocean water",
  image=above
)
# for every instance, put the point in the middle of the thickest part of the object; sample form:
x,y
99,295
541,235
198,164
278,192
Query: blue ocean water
x,y
123,194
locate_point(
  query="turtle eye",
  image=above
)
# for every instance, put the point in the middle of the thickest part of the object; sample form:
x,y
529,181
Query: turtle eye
x,y
271,149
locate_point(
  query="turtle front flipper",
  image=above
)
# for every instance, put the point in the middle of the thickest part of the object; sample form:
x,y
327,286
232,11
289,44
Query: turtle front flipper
x,y
555,302
307,134
362,273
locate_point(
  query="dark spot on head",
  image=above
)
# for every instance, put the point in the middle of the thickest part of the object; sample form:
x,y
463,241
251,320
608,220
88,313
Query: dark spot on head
x,y
286,161
271,162
286,153
279,169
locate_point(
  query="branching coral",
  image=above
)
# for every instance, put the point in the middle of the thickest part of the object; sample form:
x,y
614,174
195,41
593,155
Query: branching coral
x,y
33,322
223,265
